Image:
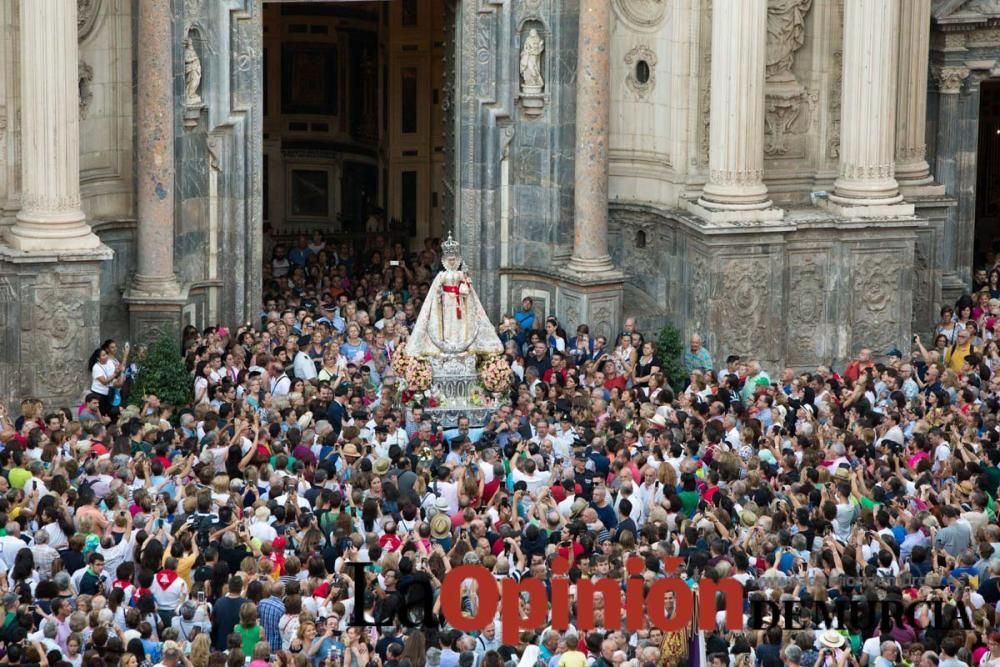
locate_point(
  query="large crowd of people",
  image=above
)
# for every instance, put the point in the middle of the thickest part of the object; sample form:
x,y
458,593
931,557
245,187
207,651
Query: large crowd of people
x,y
222,532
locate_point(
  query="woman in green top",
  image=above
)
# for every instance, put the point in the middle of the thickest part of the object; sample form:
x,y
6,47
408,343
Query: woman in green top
x,y
689,494
248,629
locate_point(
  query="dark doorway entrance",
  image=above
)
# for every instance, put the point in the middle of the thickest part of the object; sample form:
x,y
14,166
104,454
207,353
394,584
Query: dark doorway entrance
x,y
987,237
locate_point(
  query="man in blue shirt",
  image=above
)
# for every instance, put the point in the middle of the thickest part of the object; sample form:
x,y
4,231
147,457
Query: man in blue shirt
x,y
526,316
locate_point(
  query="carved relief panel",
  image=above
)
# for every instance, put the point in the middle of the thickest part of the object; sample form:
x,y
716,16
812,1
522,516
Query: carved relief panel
x,y
806,296
788,106
875,300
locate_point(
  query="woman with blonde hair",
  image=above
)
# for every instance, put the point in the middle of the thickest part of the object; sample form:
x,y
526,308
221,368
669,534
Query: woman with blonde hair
x,y
200,650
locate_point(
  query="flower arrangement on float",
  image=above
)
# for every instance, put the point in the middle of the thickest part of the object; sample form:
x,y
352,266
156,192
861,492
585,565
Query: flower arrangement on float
x,y
416,376
494,377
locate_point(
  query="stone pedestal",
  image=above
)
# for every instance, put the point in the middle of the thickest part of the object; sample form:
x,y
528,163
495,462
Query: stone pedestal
x,y
50,323
50,218
866,186
735,191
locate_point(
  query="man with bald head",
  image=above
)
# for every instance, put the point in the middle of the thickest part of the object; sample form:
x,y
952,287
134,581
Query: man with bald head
x,y
696,357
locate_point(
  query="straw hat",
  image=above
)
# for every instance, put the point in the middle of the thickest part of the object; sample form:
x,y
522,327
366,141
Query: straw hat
x,y
832,639
440,527
381,466
350,449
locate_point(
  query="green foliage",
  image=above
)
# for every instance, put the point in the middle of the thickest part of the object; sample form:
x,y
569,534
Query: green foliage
x,y
163,371
670,349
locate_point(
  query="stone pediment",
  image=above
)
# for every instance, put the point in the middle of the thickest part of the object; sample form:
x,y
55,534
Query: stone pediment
x,y
951,12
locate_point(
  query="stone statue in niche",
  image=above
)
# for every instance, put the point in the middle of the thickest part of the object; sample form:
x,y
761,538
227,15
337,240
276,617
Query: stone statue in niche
x,y
786,33
192,73
531,63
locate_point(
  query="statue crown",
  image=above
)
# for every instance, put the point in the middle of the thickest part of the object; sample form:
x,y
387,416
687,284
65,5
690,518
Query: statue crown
x,y
450,247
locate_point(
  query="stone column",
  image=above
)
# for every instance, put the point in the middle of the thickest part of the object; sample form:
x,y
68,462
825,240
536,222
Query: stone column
x,y
735,189
593,93
155,300
912,170
867,186
51,219
155,149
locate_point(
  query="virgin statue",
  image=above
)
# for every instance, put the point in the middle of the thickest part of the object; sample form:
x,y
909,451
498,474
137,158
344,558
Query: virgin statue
x,y
452,319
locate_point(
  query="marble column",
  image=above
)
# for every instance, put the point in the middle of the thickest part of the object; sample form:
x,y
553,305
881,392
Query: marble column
x,y
735,190
155,150
912,170
51,219
593,94
867,185
155,300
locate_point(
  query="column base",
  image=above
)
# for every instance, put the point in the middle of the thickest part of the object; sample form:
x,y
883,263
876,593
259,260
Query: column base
x,y
590,265
597,300
51,233
859,208
154,287
735,213
152,316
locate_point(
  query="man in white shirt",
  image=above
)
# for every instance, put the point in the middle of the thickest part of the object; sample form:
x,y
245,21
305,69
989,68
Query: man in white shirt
x,y
942,450
304,367
280,382
169,589
261,527
10,544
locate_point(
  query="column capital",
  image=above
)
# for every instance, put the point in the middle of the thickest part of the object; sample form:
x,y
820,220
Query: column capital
x,y
950,79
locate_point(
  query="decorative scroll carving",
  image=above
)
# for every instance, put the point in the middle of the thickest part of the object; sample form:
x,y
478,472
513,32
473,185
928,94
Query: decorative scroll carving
x,y
786,33
641,54
836,88
876,287
950,79
86,17
744,303
700,290
805,310
641,13
58,314
84,75
706,110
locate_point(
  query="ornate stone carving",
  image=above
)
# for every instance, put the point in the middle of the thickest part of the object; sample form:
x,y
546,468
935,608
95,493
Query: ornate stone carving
x,y
836,88
700,290
85,75
641,13
922,311
641,54
949,80
876,288
58,314
781,112
786,33
706,110
86,16
805,310
743,302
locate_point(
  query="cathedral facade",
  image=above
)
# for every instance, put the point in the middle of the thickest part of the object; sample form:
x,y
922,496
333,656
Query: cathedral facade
x,y
792,179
